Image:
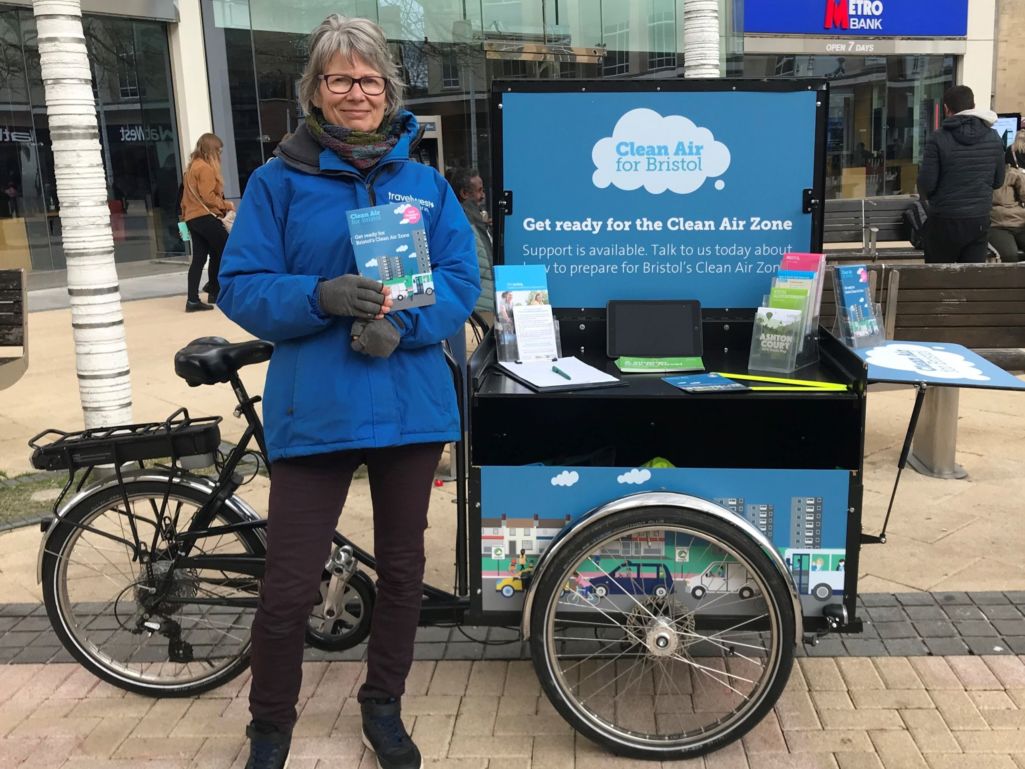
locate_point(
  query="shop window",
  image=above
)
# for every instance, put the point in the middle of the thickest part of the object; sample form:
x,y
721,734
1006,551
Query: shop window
x,y
662,40
617,43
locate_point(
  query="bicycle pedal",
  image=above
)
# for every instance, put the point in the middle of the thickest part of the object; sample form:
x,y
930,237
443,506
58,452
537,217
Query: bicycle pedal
x,y
179,651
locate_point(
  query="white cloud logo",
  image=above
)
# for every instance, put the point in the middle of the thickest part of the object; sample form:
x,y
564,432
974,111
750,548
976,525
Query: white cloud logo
x,y
401,249
371,263
400,208
939,363
636,476
659,154
566,478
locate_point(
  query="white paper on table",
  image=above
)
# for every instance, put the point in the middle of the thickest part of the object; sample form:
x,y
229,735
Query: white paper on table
x,y
535,333
542,374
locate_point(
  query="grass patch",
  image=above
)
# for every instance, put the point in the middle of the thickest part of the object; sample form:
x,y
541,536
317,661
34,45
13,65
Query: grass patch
x,y
16,499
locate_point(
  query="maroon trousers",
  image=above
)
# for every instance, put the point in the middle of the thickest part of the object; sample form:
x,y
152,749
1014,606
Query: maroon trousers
x,y
306,497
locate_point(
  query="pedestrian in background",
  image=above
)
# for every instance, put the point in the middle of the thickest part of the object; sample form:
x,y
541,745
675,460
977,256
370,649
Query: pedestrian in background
x,y
962,165
1007,218
208,216
469,188
350,381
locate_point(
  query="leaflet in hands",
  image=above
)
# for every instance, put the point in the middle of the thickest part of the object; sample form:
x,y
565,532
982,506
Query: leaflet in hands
x,y
524,318
390,245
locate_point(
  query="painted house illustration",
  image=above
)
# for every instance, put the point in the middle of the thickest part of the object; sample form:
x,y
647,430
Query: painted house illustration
x,y
503,538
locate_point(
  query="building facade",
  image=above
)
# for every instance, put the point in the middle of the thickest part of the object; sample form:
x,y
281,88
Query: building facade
x,y
167,71
1009,70
888,64
128,44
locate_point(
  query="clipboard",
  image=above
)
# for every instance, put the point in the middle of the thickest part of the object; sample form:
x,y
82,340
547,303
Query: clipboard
x,y
541,376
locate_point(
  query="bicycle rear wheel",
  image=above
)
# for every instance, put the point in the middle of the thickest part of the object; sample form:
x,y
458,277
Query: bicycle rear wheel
x,y
634,661
156,628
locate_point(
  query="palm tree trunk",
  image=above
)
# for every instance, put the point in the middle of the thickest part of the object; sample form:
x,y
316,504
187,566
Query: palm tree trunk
x,y
701,38
104,381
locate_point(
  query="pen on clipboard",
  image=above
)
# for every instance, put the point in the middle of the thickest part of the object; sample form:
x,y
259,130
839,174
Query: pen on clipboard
x,y
561,373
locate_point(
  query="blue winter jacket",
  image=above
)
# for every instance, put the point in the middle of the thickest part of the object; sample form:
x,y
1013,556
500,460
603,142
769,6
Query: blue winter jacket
x,y
291,233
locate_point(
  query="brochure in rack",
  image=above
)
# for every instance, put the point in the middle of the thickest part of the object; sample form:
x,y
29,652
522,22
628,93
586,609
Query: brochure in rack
x,y
776,340
523,319
390,245
854,306
528,342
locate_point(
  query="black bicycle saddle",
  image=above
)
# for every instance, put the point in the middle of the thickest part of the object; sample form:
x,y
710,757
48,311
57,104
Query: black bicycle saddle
x,y
213,359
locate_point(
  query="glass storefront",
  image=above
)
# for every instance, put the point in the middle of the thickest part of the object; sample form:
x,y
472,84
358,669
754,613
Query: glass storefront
x,y
138,135
881,110
449,52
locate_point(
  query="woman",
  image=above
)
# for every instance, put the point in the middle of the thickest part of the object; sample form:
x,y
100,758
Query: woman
x,y
204,210
350,382
1007,217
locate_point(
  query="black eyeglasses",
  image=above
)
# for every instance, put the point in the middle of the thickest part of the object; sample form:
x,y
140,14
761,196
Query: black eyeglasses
x,y
371,85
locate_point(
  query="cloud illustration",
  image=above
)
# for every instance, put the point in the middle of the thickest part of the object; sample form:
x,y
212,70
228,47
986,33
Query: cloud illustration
x,y
636,476
658,153
400,208
401,249
371,263
939,363
566,478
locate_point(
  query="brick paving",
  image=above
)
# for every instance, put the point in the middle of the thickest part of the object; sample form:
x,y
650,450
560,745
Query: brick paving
x,y
896,625
931,712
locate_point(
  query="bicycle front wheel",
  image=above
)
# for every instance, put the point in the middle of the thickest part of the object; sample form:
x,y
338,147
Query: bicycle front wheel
x,y
630,656
151,626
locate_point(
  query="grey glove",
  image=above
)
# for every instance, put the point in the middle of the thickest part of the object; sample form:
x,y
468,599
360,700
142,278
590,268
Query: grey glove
x,y
351,295
376,338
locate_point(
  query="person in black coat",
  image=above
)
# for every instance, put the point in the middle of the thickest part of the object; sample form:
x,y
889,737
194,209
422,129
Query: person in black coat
x,y
963,164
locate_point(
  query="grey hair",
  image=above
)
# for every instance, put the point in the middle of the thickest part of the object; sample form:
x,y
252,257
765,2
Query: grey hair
x,y
350,37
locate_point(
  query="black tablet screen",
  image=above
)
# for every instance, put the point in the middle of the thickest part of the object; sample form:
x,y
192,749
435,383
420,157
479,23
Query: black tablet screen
x,y
654,328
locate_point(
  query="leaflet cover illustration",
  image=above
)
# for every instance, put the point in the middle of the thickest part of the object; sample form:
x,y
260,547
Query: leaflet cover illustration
x,y
390,245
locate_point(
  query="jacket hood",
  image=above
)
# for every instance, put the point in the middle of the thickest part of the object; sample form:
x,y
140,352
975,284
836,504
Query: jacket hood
x,y
302,150
970,126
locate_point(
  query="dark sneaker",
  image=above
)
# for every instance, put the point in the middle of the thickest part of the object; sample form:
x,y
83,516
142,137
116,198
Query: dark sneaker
x,y
384,734
194,305
268,747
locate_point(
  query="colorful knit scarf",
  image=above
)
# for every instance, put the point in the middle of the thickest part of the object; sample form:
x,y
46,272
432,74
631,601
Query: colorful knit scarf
x,y
361,149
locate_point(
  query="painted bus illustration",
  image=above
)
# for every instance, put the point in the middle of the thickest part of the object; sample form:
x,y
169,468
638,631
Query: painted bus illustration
x,y
817,572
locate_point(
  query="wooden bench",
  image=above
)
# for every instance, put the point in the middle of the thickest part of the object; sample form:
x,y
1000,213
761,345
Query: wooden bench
x,y
13,336
869,221
979,306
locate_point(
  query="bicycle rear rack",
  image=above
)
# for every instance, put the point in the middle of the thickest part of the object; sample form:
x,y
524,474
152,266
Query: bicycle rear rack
x,y
176,437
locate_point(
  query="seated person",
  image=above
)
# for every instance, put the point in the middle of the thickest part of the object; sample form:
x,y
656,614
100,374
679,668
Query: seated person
x,y
1007,217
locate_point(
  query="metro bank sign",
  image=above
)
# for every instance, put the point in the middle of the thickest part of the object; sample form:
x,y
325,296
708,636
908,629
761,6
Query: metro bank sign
x,y
854,14
869,18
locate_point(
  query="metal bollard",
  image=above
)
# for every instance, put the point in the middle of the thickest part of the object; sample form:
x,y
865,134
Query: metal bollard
x,y
935,444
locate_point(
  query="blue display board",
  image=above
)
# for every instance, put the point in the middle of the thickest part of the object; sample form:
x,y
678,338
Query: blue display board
x,y
866,18
659,194
935,363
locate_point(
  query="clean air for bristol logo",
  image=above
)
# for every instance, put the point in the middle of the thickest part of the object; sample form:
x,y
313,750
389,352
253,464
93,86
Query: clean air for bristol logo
x,y
854,14
659,154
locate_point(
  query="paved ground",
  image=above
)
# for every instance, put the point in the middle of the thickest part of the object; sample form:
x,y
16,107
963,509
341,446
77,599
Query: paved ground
x,y
848,713
948,582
